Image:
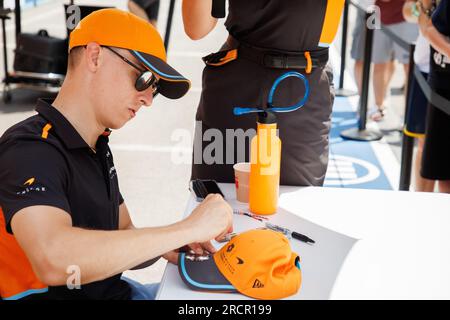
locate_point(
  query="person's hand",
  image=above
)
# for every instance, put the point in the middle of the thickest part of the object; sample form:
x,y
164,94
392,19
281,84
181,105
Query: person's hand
x,y
197,248
212,219
172,256
200,248
409,12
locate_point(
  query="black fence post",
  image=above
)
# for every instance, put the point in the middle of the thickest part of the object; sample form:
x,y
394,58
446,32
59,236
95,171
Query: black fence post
x,y
5,53
340,91
407,141
169,24
362,133
17,16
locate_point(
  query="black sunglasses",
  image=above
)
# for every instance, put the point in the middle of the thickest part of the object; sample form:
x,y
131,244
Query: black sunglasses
x,y
145,79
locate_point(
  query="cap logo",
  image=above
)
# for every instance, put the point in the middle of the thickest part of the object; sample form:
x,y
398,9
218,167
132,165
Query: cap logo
x,y
240,261
258,284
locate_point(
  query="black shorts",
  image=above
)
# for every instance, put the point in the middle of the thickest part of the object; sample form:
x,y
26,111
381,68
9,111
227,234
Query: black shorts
x,y
436,153
151,8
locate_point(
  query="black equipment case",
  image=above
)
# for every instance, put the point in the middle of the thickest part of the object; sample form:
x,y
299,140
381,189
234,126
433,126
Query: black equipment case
x,y
41,53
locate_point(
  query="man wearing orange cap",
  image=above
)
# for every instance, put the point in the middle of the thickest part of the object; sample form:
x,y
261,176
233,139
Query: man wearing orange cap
x,y
65,231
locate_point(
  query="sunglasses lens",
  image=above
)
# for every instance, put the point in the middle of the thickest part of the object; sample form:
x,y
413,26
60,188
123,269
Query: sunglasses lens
x,y
144,81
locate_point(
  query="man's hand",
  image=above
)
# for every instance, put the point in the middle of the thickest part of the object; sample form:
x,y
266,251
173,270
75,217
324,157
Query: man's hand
x,y
198,248
212,219
172,256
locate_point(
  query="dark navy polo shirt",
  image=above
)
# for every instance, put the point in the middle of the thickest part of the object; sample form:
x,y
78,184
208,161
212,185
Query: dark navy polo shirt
x,y
44,161
440,66
441,18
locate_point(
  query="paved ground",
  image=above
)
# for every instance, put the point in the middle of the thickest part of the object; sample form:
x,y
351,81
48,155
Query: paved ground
x,y
154,187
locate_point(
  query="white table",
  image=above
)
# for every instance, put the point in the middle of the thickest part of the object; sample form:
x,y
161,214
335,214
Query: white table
x,y
370,244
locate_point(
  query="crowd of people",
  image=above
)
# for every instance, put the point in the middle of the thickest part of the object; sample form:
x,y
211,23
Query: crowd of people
x,y
425,23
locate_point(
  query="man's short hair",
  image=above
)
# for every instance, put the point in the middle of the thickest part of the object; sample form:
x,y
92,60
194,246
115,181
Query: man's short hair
x,y
74,57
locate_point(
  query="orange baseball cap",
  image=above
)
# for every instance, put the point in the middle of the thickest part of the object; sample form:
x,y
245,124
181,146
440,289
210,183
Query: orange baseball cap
x,y
121,29
257,263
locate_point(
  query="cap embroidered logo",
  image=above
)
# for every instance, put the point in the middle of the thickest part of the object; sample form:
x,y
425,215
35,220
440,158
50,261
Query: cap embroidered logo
x,y
258,284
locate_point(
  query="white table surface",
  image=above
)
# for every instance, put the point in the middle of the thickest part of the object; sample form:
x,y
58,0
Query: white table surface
x,y
370,244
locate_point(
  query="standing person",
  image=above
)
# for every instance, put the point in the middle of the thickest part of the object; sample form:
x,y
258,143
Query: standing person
x,y
418,103
436,155
61,208
385,49
358,34
145,9
266,39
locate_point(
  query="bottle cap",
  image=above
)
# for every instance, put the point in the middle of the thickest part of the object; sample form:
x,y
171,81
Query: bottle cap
x,y
267,117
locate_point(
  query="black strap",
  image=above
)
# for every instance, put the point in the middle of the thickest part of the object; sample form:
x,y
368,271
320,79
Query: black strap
x,y
435,99
218,9
278,60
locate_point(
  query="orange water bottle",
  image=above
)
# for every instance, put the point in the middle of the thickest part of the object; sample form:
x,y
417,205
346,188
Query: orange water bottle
x,y
265,152
265,157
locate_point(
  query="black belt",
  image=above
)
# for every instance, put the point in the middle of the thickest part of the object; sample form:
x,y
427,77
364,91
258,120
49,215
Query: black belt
x,y
301,60
307,60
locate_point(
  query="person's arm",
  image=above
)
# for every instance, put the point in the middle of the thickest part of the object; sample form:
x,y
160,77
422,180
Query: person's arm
x,y
52,244
197,19
135,9
439,42
126,223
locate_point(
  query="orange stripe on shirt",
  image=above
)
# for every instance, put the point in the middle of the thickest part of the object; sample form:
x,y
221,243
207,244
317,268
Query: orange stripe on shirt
x,y
45,130
331,22
16,274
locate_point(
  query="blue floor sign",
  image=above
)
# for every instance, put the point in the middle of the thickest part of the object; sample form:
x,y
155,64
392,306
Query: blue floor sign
x,y
353,164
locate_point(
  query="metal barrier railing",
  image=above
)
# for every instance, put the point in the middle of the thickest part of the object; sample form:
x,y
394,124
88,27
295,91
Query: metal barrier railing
x,y
341,91
362,133
169,24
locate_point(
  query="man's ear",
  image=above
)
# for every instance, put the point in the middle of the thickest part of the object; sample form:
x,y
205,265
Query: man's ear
x,y
93,56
